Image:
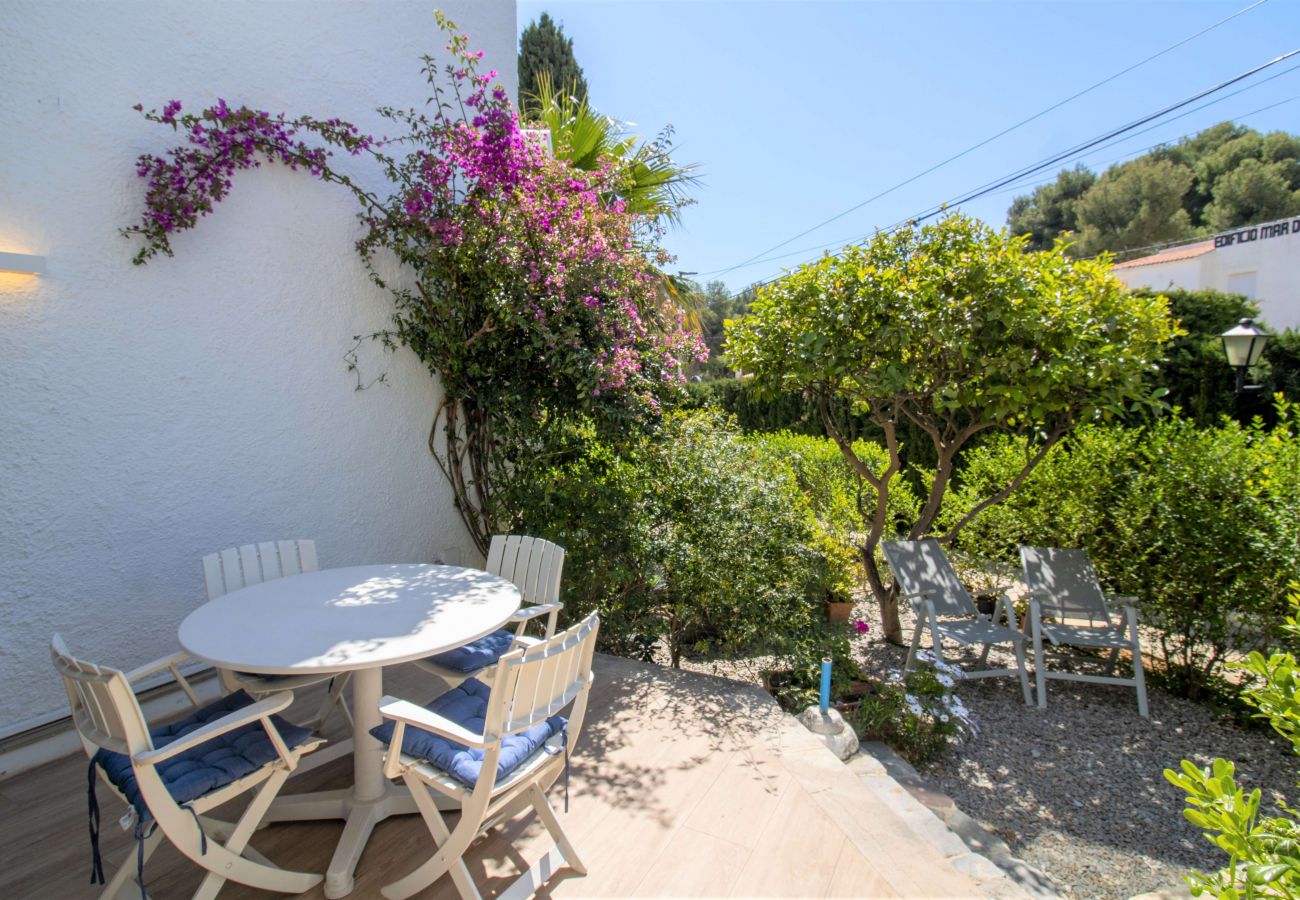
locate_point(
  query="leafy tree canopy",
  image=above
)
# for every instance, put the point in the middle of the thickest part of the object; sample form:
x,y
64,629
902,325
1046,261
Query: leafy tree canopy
x,y
1049,212
959,329
1220,178
544,50
717,305
1134,206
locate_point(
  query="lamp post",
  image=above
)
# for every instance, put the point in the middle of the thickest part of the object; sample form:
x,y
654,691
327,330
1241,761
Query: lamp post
x,y
1244,345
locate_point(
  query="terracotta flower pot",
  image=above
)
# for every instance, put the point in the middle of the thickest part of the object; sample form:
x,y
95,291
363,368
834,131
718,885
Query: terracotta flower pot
x,y
839,612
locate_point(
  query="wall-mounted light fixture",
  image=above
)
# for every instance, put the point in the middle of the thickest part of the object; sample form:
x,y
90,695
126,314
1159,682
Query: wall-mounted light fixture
x,y
22,263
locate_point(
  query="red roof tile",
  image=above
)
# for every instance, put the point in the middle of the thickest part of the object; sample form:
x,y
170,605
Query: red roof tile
x,y
1187,251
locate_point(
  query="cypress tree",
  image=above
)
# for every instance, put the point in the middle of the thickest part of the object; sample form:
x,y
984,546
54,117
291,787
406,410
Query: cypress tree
x,y
544,48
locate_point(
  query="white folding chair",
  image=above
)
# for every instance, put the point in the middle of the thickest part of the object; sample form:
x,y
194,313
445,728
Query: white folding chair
x,y
1068,607
238,567
494,752
944,607
534,566
171,776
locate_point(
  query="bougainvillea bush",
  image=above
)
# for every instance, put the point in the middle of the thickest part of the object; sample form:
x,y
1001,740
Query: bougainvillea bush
x,y
525,285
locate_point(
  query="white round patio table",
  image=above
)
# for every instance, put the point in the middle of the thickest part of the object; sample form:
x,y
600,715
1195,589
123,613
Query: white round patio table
x,y
355,620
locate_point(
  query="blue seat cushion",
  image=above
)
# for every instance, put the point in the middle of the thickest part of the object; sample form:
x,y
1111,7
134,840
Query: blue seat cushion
x,y
466,705
477,655
208,766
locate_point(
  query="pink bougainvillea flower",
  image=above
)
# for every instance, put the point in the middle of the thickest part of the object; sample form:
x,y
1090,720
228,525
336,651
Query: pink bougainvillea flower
x,y
860,626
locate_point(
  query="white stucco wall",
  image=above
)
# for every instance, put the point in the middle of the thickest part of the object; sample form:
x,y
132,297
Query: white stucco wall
x,y
151,415
1274,260
1181,273
1261,261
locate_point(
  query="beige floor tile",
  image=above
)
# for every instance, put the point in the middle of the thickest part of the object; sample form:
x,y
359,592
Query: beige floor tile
x,y
742,799
694,864
675,778
855,876
796,853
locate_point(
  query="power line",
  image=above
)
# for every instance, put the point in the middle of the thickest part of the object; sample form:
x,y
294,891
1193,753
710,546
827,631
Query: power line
x,y
989,140
1079,148
1189,112
1024,185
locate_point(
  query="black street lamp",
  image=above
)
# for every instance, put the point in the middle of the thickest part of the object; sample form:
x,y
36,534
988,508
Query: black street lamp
x,y
1244,345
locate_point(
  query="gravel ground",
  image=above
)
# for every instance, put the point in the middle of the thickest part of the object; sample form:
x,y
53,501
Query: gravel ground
x,y
1078,789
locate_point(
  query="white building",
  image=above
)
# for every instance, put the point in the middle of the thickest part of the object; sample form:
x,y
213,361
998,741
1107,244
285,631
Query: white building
x,y
154,414
1260,261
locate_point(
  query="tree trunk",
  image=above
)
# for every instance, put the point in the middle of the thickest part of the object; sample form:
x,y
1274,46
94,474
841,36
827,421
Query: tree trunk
x,y
461,444
886,598
674,642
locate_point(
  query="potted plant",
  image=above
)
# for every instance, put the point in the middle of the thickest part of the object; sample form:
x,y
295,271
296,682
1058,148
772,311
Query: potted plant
x,y
836,575
985,579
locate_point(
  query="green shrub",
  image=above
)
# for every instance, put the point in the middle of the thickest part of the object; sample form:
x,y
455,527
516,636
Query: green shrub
x,y
1203,525
837,570
1263,852
688,539
1194,372
836,496
1070,500
794,413
835,493
737,398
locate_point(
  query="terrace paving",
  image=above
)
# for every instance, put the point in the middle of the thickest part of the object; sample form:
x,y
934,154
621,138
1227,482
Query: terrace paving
x,y
682,785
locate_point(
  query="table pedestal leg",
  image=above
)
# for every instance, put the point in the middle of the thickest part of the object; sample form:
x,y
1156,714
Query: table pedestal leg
x,y
368,801
371,799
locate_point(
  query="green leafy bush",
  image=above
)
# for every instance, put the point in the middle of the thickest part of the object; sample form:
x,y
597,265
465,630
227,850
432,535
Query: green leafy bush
x,y
917,714
837,571
738,398
1194,372
959,330
835,492
689,538
1203,525
1263,852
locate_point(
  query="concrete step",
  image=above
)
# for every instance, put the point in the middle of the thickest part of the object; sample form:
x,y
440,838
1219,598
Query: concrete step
x,y
933,817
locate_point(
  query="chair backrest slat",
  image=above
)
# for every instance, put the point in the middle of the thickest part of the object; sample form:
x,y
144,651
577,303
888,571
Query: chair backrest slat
x,y
922,568
536,682
495,551
530,571
304,555
509,555
104,709
532,564
239,567
1064,583
250,565
268,560
550,587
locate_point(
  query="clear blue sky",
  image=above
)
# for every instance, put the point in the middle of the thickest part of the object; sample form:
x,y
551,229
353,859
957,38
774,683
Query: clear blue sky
x,y
798,111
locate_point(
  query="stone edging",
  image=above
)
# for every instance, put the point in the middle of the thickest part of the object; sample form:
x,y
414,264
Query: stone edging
x,y
969,846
